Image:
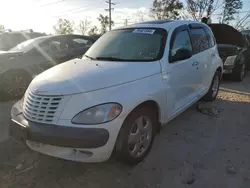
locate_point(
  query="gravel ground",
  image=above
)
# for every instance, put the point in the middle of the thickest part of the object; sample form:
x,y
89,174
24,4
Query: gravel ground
x,y
195,150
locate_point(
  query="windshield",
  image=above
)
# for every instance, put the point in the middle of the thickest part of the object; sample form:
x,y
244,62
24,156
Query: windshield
x,y
28,45
133,44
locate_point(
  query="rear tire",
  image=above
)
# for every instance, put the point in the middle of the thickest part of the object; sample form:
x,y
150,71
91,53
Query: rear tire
x,y
239,72
136,136
14,84
214,88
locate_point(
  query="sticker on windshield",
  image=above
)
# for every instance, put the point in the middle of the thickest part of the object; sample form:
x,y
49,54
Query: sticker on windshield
x,y
145,31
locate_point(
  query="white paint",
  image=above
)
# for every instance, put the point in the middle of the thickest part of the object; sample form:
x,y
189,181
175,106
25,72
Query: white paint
x,y
174,87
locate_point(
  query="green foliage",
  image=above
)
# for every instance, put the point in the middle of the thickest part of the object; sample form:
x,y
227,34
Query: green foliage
x,y
64,26
166,9
93,31
231,7
104,22
1,28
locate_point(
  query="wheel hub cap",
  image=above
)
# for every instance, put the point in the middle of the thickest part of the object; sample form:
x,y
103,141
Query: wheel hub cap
x,y
15,86
140,136
242,71
215,86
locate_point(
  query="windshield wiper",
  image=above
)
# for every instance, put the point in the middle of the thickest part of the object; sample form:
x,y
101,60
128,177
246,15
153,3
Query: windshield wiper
x,y
89,57
110,58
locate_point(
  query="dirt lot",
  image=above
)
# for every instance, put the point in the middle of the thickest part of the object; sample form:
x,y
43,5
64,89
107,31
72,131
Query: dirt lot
x,y
194,150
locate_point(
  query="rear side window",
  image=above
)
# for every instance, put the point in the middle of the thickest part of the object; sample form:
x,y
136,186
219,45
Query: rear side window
x,y
210,37
199,40
80,42
181,41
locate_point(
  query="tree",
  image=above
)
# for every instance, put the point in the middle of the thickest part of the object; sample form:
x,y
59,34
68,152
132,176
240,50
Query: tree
x,y
64,26
200,8
1,28
93,31
166,9
104,22
230,8
83,26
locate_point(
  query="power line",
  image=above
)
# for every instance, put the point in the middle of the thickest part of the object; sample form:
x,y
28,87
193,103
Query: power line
x,y
240,12
48,4
75,10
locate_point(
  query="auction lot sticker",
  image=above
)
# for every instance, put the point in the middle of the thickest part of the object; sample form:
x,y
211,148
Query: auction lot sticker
x,y
145,31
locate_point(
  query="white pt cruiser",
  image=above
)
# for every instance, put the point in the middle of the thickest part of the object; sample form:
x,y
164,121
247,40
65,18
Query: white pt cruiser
x,y
112,101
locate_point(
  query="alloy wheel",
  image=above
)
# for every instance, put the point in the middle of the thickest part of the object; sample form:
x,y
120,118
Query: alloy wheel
x,y
15,85
215,86
140,136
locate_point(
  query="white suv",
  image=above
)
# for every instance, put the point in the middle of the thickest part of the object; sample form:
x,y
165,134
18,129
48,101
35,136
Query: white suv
x,y
113,100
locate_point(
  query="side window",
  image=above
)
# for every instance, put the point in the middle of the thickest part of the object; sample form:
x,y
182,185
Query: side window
x,y
81,42
54,46
181,41
199,40
210,37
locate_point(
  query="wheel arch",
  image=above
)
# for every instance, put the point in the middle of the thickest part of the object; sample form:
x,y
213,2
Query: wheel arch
x,y
152,105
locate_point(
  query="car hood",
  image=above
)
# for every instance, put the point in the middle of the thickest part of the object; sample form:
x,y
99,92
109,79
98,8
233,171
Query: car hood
x,y
225,34
78,76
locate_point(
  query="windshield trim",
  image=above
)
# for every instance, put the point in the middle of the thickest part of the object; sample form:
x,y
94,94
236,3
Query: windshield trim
x,y
161,51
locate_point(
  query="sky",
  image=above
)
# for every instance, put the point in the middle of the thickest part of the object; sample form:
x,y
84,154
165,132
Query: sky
x,y
41,15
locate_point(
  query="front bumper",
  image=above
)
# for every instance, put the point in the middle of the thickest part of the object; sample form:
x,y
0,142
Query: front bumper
x,y
228,69
71,143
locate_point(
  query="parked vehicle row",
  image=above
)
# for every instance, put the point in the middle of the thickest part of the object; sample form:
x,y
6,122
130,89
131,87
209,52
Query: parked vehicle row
x,y
10,39
233,50
130,82
21,64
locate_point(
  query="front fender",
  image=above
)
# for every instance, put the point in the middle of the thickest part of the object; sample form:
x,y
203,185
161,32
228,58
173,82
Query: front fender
x,y
129,95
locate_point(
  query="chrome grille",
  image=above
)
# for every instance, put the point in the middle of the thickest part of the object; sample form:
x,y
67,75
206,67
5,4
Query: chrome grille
x,y
40,108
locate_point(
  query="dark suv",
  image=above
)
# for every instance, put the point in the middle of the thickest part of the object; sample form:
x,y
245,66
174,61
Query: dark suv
x,y
232,49
10,39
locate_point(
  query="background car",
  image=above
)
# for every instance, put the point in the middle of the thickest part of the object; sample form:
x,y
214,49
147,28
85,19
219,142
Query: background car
x,y
246,32
10,39
22,63
232,49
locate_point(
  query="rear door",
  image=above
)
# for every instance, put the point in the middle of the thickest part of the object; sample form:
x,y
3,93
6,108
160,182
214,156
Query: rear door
x,y
183,75
203,54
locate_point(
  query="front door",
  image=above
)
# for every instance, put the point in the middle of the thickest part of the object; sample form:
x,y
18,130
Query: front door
x,y
182,75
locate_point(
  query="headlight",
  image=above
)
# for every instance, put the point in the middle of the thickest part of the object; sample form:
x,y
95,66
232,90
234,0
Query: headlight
x,y
230,60
98,114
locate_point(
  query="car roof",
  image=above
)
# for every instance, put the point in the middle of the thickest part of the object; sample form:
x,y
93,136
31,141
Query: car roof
x,y
165,24
72,35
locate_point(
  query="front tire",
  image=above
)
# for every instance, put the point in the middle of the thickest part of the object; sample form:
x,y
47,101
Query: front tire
x,y
14,84
239,72
136,136
214,88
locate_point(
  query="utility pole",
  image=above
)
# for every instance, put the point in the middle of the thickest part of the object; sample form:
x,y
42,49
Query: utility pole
x,y
110,9
126,22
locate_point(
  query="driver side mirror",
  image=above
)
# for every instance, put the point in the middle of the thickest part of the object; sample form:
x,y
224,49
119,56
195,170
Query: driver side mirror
x,y
181,54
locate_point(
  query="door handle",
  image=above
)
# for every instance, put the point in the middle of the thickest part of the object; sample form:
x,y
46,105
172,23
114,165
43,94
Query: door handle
x,y
195,63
